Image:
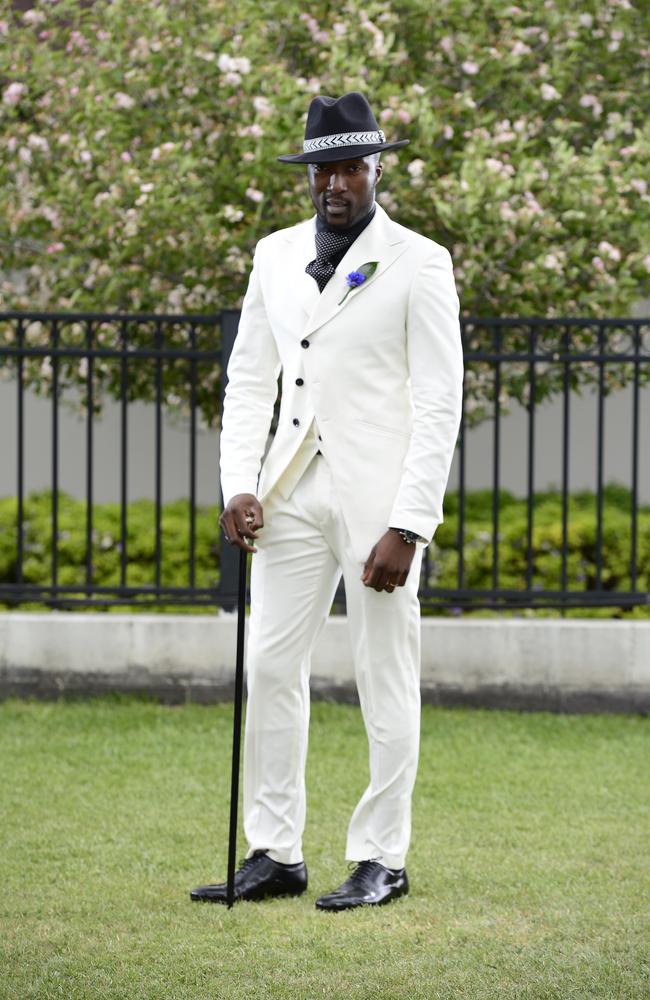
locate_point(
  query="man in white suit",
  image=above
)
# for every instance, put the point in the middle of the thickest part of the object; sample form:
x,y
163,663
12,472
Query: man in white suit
x,y
366,338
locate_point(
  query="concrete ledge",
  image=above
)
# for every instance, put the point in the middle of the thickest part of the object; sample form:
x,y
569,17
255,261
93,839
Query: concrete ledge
x,y
535,664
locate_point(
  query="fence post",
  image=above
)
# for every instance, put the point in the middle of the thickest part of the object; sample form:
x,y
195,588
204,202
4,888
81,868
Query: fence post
x,y
229,556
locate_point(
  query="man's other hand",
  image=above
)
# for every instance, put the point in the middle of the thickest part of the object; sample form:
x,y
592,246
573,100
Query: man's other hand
x,y
241,520
389,563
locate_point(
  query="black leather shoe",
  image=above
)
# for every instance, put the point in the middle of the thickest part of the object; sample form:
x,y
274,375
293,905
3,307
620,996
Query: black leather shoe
x,y
370,884
258,878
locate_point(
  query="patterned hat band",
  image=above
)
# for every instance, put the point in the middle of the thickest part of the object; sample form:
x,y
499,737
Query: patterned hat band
x,y
340,139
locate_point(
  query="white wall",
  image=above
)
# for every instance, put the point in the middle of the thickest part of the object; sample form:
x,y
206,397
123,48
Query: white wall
x,y
175,478
106,452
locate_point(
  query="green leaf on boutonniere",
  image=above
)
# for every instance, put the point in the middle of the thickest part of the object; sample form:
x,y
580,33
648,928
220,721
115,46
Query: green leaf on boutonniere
x,y
356,278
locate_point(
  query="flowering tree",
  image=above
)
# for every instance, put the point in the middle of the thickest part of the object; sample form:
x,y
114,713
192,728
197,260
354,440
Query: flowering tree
x,y
139,140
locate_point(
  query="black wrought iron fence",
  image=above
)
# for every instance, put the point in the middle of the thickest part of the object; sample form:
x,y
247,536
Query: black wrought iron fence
x,y
482,556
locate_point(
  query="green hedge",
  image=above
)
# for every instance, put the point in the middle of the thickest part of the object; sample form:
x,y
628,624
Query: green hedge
x,y
107,548
547,540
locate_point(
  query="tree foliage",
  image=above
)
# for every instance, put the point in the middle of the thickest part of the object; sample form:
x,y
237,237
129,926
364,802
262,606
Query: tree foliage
x,y
138,162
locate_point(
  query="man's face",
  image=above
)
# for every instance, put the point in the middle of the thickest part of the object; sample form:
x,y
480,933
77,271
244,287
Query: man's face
x,y
343,192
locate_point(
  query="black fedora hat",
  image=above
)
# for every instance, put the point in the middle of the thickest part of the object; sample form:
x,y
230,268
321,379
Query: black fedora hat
x,y
340,128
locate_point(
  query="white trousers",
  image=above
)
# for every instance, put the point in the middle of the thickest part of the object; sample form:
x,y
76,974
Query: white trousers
x,y
302,551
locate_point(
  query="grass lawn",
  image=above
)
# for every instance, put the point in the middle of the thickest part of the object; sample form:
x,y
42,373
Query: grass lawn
x,y
530,864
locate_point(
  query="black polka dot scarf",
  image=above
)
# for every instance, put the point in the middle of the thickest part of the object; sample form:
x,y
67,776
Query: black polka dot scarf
x,y
328,244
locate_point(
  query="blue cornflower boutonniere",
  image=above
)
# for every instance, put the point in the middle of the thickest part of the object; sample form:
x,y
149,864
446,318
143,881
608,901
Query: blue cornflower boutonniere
x,y
356,278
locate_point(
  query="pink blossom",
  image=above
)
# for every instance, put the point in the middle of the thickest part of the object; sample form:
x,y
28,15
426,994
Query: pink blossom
x,y
499,167
639,185
263,106
403,116
520,48
378,48
4,28
126,156
415,168
532,203
447,44
232,214
39,142
469,67
506,212
255,131
254,194
590,101
386,115
235,65
55,248
14,93
598,264
607,250
448,132
33,17
76,41
548,92
586,20
311,22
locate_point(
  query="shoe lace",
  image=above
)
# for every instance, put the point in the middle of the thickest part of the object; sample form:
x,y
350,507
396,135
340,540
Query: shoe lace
x,y
245,863
363,870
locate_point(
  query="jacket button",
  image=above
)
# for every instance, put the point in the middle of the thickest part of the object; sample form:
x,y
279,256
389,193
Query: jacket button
x,y
296,422
304,343
300,381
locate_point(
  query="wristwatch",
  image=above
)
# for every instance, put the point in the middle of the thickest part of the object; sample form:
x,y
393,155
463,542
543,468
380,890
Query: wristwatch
x,y
411,537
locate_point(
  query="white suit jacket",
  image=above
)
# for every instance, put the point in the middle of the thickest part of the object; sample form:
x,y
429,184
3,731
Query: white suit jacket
x,y
382,375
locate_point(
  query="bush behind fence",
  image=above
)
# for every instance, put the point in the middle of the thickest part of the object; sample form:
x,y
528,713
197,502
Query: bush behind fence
x,y
439,571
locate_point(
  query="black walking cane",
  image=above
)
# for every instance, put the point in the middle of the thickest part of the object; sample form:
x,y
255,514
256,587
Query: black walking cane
x,y
236,732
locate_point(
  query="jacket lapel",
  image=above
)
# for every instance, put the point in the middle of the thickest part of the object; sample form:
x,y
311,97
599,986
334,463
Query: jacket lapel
x,y
382,241
303,249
